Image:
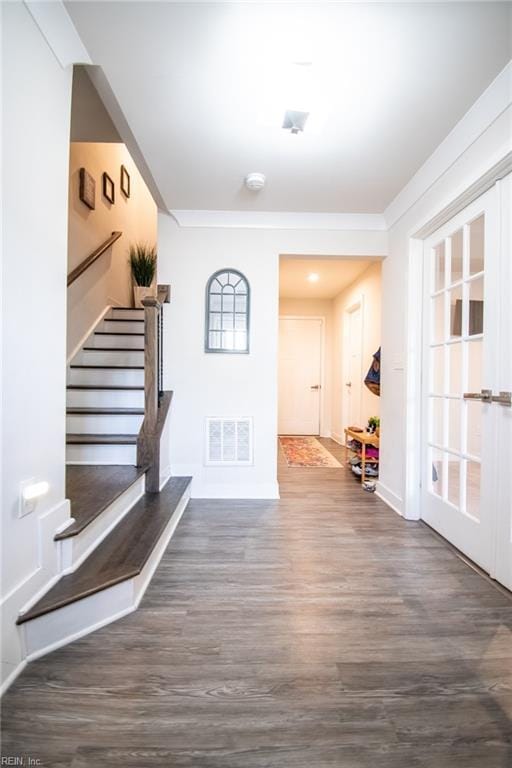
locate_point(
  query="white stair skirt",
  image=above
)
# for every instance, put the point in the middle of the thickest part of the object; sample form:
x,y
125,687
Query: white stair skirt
x,y
63,625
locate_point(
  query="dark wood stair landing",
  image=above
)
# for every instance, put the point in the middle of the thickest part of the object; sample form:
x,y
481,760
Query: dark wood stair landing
x,y
92,488
121,555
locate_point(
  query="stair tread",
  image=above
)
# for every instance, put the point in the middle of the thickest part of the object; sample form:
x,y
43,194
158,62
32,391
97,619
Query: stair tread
x,y
87,439
88,410
118,333
92,488
112,367
133,309
121,555
122,320
113,349
101,387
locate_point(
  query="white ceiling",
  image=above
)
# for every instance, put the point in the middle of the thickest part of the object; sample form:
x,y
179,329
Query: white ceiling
x,y
201,86
334,275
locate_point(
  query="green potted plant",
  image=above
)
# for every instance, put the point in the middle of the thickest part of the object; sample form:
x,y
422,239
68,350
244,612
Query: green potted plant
x,y
143,266
373,424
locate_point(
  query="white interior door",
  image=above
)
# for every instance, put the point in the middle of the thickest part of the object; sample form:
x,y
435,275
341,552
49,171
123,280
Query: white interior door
x,y
352,388
464,321
300,356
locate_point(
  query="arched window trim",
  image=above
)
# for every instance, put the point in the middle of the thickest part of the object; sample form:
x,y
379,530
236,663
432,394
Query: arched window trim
x,y
207,347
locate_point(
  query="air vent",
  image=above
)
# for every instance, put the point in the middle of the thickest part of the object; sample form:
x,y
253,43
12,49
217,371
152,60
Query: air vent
x,y
228,441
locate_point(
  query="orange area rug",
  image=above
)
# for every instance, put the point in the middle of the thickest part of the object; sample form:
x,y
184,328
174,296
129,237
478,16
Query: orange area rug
x,y
307,452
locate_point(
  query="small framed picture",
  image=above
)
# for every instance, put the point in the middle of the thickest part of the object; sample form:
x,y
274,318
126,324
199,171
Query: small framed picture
x,y
87,190
108,188
125,182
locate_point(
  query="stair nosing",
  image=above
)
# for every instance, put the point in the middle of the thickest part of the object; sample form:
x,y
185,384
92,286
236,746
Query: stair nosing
x,y
113,349
106,388
118,333
63,535
130,573
86,410
111,367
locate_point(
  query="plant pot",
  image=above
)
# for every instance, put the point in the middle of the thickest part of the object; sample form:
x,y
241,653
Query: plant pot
x,y
140,292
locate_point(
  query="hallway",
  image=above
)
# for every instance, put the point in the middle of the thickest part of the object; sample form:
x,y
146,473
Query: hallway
x,y
320,630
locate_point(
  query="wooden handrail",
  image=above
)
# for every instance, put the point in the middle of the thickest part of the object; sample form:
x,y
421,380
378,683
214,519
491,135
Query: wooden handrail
x,y
86,263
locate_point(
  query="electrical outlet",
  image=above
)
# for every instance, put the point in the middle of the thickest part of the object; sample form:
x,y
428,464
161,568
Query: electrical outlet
x,y
26,506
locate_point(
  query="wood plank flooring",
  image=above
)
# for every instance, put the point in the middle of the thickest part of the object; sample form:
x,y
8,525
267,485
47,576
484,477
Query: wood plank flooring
x,y
321,630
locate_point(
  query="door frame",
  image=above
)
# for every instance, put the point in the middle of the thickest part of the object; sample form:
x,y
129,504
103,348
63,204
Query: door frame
x,y
413,392
321,420
345,365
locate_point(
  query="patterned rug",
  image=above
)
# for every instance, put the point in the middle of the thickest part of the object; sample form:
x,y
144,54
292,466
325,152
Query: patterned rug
x,y
306,452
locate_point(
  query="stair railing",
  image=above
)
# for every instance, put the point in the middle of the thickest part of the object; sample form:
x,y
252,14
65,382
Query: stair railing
x,y
94,256
156,400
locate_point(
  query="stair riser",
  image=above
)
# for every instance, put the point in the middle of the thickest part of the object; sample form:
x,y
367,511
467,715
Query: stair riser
x,y
76,549
124,327
107,378
99,341
101,454
97,398
115,359
126,314
103,424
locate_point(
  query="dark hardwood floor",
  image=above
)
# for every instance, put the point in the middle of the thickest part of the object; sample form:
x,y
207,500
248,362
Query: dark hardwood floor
x,y
318,631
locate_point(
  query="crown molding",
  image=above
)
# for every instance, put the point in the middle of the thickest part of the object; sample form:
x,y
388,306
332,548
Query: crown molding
x,y
493,102
280,220
59,32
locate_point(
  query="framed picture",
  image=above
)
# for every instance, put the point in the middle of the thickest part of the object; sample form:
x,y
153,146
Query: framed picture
x,y
87,189
108,188
125,182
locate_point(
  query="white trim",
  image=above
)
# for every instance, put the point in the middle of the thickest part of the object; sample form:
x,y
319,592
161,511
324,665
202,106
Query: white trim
x,y
386,495
484,112
322,432
59,32
338,439
104,312
280,220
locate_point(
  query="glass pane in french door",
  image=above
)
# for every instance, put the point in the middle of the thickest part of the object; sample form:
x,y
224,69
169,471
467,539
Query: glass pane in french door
x,y
456,333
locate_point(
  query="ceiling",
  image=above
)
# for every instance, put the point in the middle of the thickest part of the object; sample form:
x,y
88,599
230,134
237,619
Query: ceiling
x,y
334,275
204,87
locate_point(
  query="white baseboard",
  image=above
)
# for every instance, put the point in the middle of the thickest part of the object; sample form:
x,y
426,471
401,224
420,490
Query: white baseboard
x,y
338,438
388,497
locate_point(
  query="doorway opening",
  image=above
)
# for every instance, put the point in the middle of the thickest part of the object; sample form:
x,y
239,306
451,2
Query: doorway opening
x,y
329,332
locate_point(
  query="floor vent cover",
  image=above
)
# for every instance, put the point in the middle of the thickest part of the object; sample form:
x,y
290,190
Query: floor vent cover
x,y
228,441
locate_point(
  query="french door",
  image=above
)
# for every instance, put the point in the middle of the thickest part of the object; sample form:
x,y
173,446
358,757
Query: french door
x,y
467,423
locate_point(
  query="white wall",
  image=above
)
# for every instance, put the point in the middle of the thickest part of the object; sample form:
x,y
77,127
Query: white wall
x,y
481,139
108,280
231,385
317,308
35,142
367,289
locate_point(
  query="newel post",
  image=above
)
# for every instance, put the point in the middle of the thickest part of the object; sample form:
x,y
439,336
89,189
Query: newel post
x,y
148,443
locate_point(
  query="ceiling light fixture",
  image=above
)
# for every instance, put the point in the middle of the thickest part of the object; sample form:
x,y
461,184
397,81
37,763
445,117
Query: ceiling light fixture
x,y
313,277
255,181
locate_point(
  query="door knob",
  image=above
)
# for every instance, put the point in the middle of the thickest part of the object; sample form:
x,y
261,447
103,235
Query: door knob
x,y
348,383
504,398
315,386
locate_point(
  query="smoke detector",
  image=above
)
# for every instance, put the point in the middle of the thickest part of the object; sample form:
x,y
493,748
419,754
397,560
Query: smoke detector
x,y
255,181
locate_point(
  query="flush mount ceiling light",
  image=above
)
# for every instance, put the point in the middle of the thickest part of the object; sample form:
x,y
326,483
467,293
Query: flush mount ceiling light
x,y
255,181
295,121
313,277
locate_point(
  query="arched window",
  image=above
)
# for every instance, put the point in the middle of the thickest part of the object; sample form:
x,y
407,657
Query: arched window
x,y
227,312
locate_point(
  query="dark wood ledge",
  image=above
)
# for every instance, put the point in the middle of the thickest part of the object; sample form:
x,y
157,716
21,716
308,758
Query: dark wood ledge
x,y
94,256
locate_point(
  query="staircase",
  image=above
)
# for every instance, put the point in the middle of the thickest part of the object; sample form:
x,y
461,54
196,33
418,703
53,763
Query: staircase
x,y
122,515
105,392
